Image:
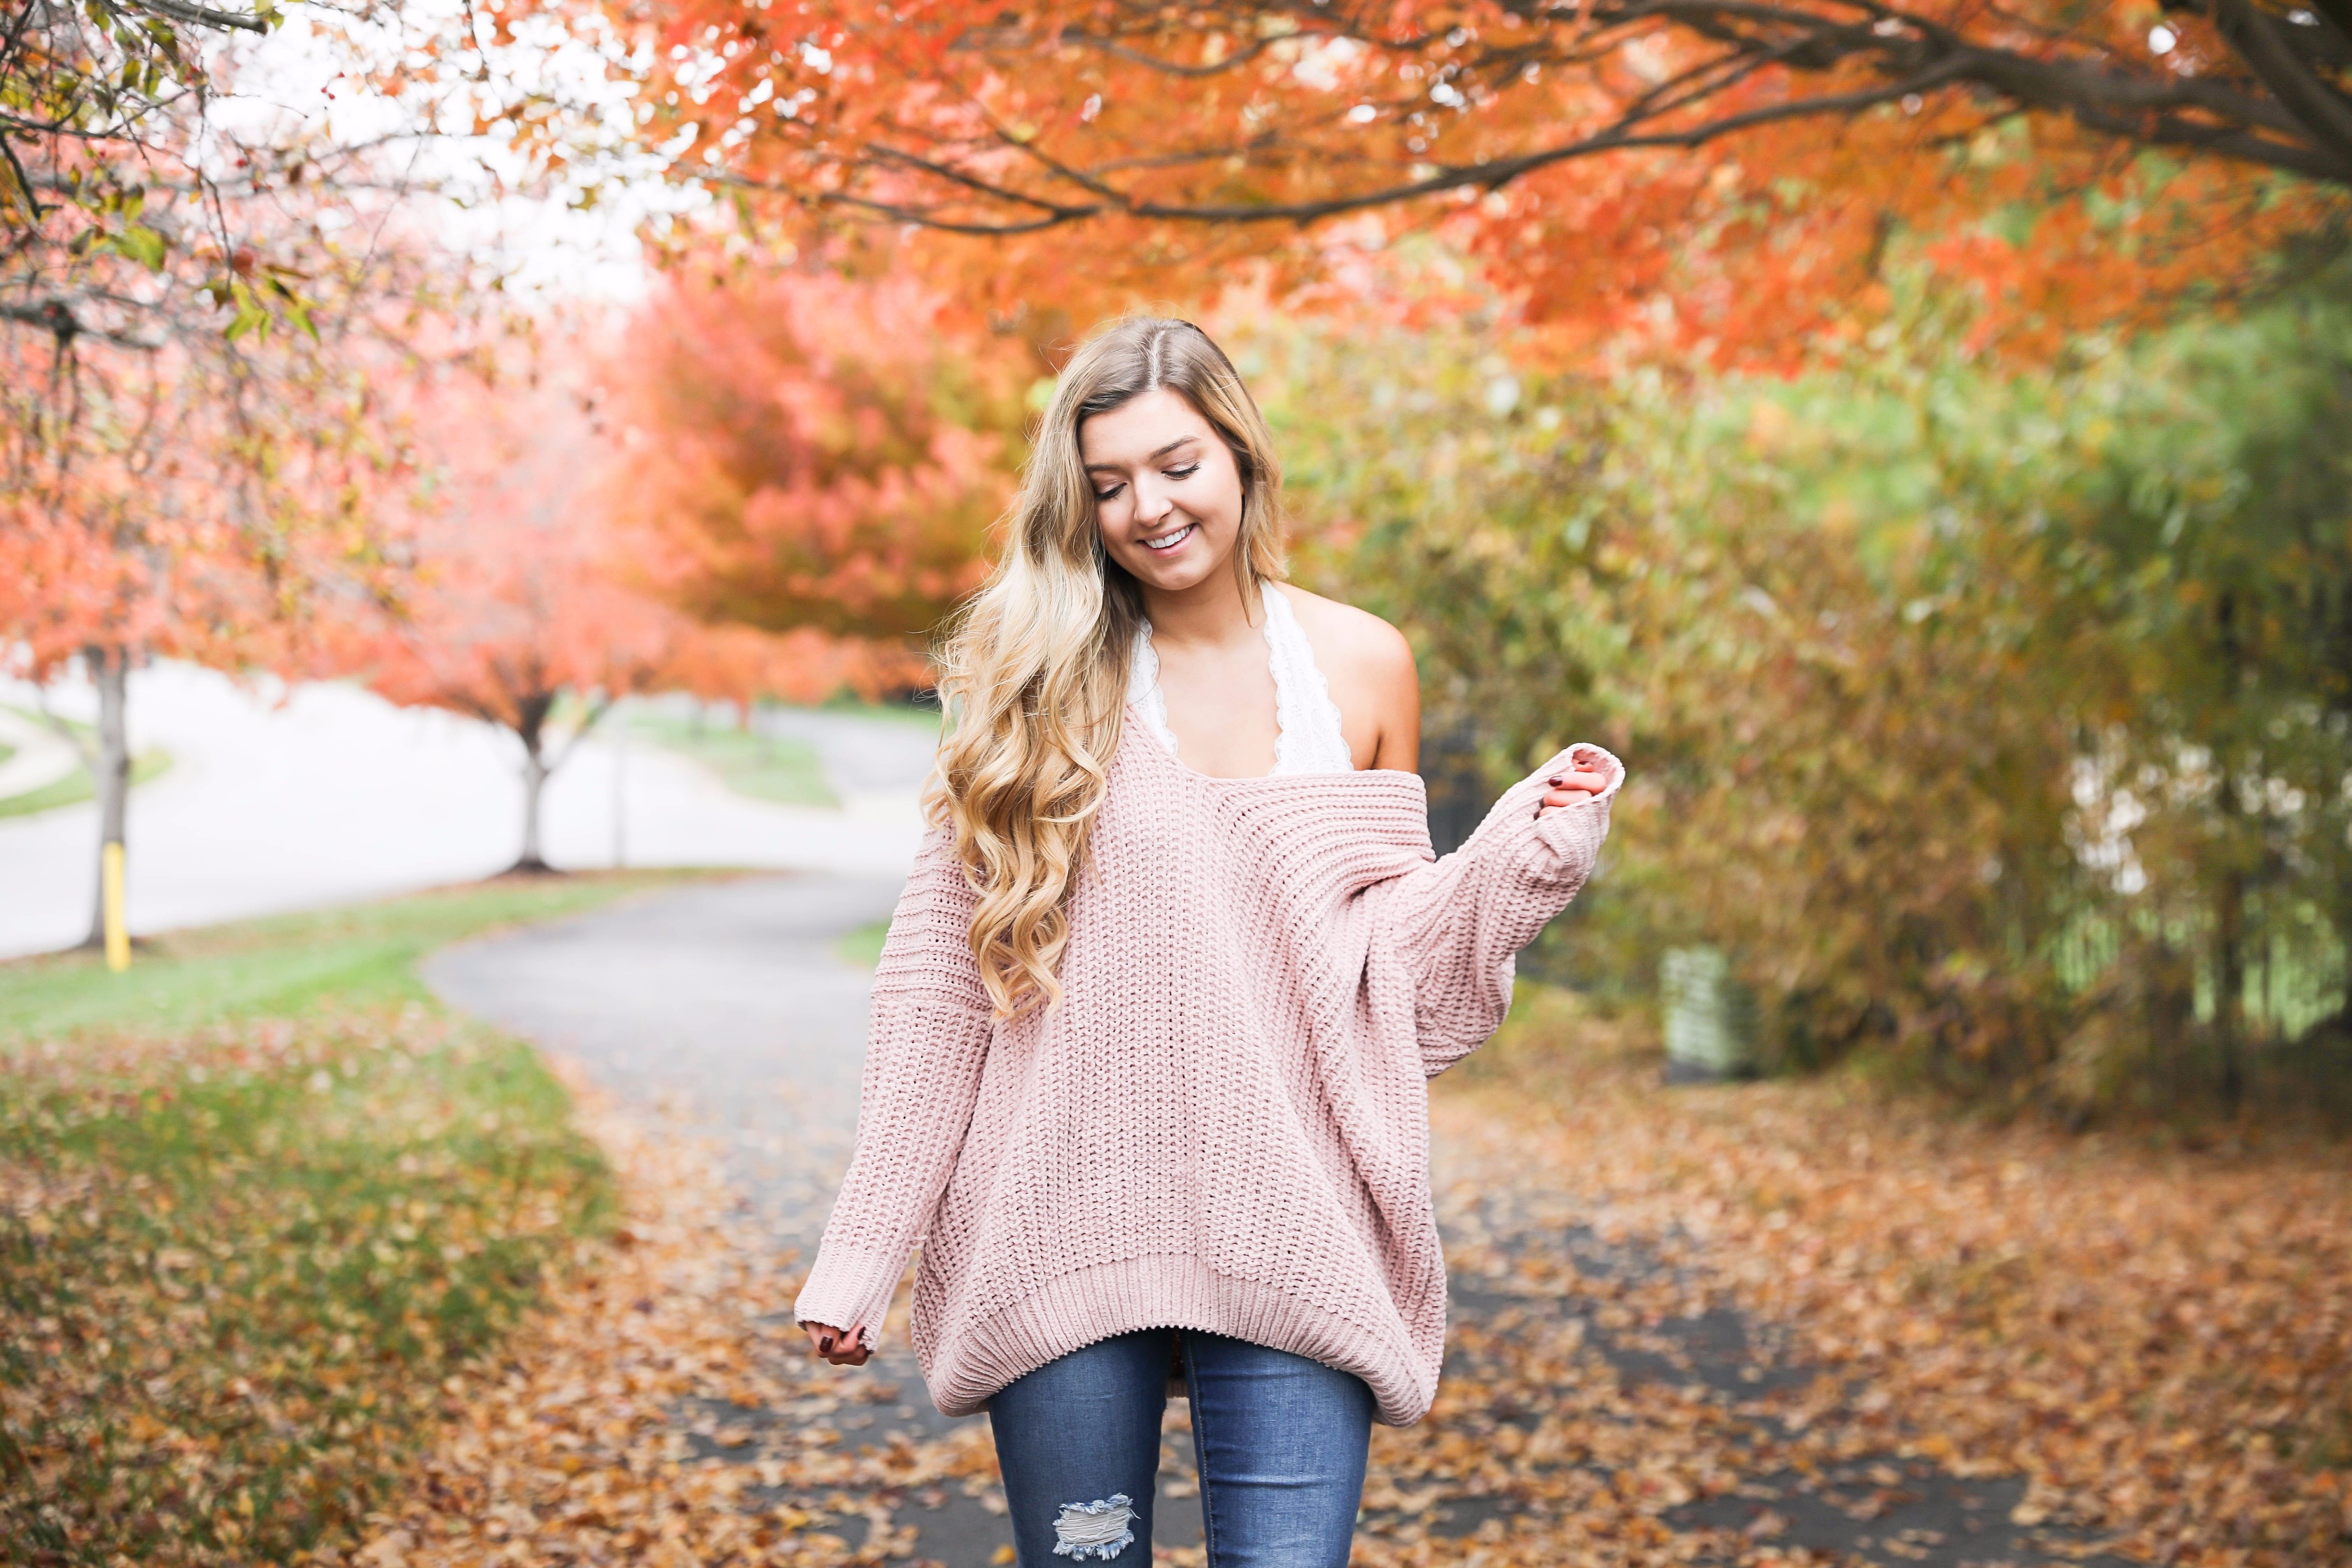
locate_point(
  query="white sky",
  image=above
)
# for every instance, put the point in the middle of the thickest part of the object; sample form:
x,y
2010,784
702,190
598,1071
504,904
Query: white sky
x,y
550,250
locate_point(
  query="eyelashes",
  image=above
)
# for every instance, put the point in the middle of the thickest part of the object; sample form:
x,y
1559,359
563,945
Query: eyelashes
x,y
1186,472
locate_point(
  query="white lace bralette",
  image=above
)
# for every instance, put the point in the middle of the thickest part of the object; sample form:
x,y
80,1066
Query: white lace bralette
x,y
1307,739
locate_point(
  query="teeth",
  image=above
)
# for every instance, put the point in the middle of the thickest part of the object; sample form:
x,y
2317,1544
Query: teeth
x,y
1170,541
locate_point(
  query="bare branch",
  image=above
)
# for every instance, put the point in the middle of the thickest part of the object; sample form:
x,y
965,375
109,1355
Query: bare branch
x,y
201,15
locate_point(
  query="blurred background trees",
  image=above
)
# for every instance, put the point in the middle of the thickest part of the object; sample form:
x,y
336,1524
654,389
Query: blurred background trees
x,y
1736,180
510,601
813,450
1914,433
1995,720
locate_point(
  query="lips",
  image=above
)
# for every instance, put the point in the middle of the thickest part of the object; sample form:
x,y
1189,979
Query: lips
x,y
1170,540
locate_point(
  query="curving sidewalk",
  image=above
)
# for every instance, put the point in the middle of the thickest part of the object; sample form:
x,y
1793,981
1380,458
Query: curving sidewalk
x,y
38,756
324,794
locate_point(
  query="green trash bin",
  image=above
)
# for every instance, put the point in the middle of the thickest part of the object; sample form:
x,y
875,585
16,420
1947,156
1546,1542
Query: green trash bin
x,y
1710,1017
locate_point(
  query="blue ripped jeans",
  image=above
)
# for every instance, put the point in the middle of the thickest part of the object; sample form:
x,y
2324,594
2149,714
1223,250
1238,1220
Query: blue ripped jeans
x,y
1280,1441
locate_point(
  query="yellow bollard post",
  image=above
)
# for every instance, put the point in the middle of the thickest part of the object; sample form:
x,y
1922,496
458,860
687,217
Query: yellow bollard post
x,y
118,935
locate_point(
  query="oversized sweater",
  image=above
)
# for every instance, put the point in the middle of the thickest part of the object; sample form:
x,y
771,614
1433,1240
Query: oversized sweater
x,y
1223,1125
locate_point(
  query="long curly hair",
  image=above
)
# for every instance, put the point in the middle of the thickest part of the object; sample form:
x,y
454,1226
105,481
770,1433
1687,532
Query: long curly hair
x,y
1033,672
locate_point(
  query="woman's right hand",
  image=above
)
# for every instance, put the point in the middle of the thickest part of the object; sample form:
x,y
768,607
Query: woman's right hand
x,y
834,1345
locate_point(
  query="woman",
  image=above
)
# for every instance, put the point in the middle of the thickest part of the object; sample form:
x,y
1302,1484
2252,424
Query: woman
x,y
1151,1028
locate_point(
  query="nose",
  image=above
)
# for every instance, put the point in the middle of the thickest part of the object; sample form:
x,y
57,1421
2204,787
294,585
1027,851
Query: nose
x,y
1152,505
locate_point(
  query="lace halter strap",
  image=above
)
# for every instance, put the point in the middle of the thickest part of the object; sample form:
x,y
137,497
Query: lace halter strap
x,y
1308,738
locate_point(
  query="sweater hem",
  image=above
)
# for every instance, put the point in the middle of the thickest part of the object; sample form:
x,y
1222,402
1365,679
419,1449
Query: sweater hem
x,y
967,1369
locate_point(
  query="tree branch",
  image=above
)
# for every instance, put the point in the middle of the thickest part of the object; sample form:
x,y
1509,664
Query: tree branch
x,y
57,317
596,709
2325,115
200,15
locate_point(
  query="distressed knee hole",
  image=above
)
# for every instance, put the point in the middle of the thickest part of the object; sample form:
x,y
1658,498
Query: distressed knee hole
x,y
1095,1529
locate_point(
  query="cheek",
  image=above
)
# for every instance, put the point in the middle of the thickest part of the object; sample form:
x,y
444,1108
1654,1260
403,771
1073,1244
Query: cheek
x,y
1228,490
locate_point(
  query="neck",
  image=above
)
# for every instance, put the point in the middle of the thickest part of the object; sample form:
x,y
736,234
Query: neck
x,y
1210,613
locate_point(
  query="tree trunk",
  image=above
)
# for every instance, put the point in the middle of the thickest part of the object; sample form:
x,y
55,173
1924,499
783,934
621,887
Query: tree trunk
x,y
2230,897
110,668
2230,985
531,730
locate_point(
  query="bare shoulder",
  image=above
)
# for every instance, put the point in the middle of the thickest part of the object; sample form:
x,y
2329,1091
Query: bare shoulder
x,y
1369,665
1353,643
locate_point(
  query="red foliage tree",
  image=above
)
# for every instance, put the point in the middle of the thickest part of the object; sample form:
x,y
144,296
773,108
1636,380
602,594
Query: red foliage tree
x,y
196,497
513,602
811,451
1727,175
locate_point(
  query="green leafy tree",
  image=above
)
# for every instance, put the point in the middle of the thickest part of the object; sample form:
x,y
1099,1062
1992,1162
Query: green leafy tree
x,y
1995,722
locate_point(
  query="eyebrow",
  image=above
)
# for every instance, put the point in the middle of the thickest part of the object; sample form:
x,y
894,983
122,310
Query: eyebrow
x,y
1155,456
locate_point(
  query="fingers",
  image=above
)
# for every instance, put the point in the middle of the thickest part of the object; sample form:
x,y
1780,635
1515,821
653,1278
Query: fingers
x,y
1569,788
838,1346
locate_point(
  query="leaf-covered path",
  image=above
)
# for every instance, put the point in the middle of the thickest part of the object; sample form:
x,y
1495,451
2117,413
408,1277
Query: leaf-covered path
x,y
730,1016
1607,1400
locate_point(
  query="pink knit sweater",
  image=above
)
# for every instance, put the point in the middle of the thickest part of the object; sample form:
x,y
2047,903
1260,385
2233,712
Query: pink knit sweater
x,y
1223,1125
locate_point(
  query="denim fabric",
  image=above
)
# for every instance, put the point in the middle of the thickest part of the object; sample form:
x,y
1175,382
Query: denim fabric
x,y
1280,1441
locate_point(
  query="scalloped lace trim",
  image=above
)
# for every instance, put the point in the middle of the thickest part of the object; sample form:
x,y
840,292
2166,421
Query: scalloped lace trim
x,y
1143,687
1309,736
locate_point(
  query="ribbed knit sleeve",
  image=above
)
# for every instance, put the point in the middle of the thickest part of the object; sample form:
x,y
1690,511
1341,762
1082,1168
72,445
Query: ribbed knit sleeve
x,y
1458,922
928,1039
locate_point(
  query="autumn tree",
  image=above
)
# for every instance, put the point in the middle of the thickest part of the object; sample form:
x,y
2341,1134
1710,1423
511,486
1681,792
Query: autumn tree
x,y
190,335
193,496
513,602
812,450
1719,175
741,667
1996,722
207,289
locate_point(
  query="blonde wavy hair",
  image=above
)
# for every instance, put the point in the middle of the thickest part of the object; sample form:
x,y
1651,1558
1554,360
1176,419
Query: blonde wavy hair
x,y
1033,672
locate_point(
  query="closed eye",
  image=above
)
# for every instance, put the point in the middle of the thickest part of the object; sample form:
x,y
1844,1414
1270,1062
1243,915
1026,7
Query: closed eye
x,y
1186,472
1108,494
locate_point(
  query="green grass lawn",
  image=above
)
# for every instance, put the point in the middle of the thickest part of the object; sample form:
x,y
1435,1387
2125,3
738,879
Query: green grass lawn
x,y
76,787
363,956
863,945
261,1201
765,767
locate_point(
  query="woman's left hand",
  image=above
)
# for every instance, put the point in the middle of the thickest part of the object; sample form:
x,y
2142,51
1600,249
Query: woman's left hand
x,y
1568,788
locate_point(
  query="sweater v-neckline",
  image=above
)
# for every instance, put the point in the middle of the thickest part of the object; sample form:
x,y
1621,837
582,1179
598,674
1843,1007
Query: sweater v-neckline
x,y
1139,722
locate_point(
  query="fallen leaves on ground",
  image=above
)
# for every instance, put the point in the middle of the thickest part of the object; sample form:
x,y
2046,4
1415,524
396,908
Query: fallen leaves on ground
x,y
234,1266
2158,1343
2144,1355
662,1409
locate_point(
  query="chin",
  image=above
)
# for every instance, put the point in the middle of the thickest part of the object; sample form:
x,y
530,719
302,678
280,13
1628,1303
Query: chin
x,y
1175,576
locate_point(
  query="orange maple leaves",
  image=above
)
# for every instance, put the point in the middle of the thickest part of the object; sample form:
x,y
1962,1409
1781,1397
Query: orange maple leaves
x,y
1741,180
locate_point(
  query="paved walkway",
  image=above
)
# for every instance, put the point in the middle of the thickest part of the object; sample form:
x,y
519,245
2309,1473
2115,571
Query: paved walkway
x,y
728,1010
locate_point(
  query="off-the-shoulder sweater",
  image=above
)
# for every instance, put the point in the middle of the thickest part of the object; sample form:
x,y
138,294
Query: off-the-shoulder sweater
x,y
1222,1124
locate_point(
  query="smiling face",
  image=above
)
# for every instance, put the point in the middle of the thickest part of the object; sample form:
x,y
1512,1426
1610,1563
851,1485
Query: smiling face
x,y
1168,494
